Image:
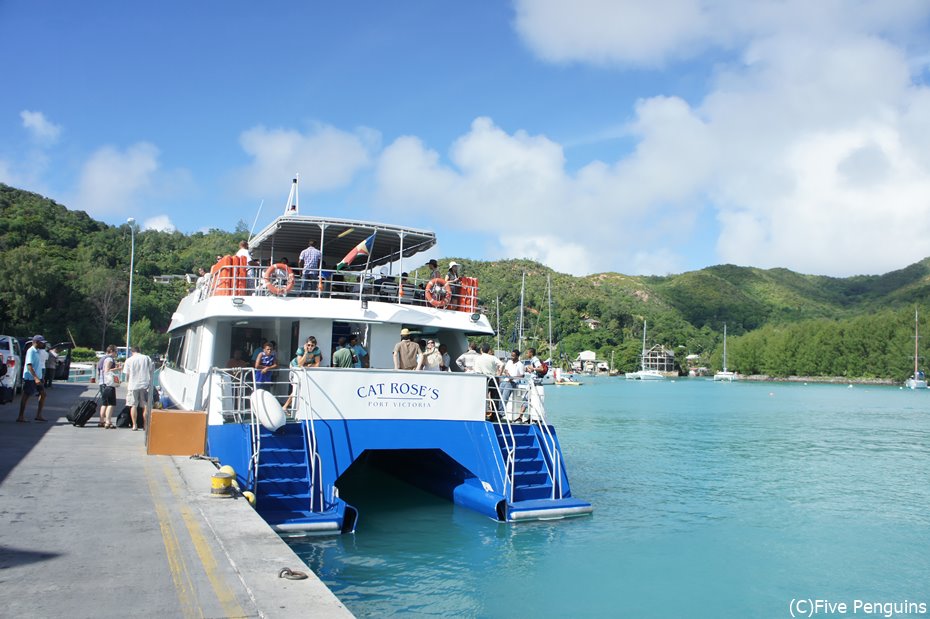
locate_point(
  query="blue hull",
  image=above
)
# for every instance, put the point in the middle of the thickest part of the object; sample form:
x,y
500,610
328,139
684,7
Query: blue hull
x,y
463,461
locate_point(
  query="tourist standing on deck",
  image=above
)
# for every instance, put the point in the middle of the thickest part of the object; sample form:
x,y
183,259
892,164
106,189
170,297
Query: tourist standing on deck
x,y
359,354
466,360
430,359
405,352
490,366
33,373
310,260
265,364
312,357
512,376
342,358
109,379
244,251
434,270
138,368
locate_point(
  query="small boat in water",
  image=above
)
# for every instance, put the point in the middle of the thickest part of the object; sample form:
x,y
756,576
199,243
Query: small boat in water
x,y
918,380
725,375
290,435
643,373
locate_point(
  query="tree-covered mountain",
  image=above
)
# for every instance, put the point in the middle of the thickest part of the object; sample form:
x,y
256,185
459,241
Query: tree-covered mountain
x,y
64,274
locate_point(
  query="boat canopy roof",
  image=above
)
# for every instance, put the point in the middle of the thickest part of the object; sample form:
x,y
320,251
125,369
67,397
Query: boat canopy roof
x,y
291,234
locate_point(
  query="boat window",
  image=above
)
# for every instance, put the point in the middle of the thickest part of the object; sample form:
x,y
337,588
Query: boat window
x,y
173,356
191,350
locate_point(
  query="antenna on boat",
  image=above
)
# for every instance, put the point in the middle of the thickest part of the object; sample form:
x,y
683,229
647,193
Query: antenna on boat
x,y
252,229
292,206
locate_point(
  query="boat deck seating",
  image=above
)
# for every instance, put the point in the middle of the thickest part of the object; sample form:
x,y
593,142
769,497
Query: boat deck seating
x,y
231,276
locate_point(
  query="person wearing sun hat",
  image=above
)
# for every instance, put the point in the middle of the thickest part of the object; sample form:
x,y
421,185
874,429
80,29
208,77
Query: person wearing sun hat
x,y
33,378
405,352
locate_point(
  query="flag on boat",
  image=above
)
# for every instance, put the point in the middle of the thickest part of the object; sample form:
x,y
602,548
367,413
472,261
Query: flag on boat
x,y
362,249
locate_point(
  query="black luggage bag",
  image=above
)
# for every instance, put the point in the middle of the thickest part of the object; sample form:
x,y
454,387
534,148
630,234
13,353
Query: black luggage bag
x,y
82,412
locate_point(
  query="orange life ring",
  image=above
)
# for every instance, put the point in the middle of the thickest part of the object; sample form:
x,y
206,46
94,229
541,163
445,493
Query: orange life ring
x,y
437,299
270,277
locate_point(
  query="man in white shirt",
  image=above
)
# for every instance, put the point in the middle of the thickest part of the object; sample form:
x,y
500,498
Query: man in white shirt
x,y
490,366
466,360
138,370
512,377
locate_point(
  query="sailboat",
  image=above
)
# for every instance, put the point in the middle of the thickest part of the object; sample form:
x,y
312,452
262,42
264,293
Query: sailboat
x,y
725,375
643,373
918,380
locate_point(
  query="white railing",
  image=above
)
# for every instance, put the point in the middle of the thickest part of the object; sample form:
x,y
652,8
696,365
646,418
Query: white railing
x,y
526,395
255,281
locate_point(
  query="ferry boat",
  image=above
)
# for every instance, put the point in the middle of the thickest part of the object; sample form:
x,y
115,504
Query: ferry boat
x,y
442,431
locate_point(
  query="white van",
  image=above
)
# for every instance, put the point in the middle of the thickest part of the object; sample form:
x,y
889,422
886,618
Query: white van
x,y
12,356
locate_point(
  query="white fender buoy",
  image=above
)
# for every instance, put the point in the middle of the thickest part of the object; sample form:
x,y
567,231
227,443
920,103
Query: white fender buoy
x,y
266,407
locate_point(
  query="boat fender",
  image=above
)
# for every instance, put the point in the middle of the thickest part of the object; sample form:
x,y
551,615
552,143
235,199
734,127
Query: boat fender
x,y
268,410
228,469
250,497
438,292
272,274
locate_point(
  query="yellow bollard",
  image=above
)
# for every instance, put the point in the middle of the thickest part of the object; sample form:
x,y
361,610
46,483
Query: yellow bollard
x,y
221,485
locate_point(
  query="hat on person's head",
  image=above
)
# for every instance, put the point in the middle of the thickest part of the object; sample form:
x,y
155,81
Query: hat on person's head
x,y
453,264
433,263
38,339
404,332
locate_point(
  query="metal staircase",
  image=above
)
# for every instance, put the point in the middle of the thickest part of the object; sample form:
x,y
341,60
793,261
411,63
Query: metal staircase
x,y
286,495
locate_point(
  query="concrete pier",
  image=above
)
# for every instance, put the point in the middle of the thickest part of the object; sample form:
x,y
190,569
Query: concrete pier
x,y
91,526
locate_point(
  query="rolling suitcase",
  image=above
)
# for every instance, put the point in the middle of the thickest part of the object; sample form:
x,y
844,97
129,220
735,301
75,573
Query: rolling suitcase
x,y
82,412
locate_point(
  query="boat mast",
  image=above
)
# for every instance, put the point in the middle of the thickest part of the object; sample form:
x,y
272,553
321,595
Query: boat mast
x,y
549,294
292,206
916,337
642,361
497,304
724,347
522,293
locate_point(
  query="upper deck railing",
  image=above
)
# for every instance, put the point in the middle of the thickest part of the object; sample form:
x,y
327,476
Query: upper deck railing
x,y
231,276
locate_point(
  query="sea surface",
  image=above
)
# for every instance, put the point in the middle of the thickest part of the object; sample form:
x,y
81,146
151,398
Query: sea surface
x,y
711,500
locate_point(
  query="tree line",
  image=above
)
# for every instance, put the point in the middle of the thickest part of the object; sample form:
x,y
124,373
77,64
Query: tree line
x,y
66,275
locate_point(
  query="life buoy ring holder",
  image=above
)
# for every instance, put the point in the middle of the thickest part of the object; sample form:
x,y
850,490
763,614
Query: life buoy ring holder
x,y
433,294
272,276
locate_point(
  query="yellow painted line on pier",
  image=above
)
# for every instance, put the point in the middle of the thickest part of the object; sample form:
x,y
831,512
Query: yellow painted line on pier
x,y
176,564
224,594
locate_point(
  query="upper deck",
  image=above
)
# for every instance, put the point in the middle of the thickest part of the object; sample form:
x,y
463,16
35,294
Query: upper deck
x,y
273,285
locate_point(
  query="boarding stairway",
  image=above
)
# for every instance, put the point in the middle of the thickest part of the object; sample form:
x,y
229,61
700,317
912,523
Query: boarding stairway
x,y
286,495
535,486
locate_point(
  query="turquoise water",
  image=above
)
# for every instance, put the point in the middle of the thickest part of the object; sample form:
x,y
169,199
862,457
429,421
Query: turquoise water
x,y
711,500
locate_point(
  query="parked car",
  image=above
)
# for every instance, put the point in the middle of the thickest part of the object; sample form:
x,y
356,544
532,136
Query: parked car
x,y
12,355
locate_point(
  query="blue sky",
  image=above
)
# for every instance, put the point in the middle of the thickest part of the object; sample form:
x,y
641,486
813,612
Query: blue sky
x,y
637,136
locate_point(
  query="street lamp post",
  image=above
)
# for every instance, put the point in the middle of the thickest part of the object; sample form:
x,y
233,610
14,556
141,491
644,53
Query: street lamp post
x,y
132,259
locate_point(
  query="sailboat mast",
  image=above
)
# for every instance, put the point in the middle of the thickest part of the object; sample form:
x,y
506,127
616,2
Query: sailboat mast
x,y
522,292
916,337
724,347
497,304
642,361
549,294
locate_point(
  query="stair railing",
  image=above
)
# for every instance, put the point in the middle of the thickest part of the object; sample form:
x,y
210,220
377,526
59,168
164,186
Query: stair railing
x,y
248,379
510,442
553,455
314,462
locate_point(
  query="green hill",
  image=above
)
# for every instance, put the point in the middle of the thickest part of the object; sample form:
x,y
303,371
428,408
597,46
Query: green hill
x,y
63,273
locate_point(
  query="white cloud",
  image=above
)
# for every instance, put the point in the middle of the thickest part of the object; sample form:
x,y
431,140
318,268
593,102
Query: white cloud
x,y
116,182
159,222
325,157
809,143
517,188
41,129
